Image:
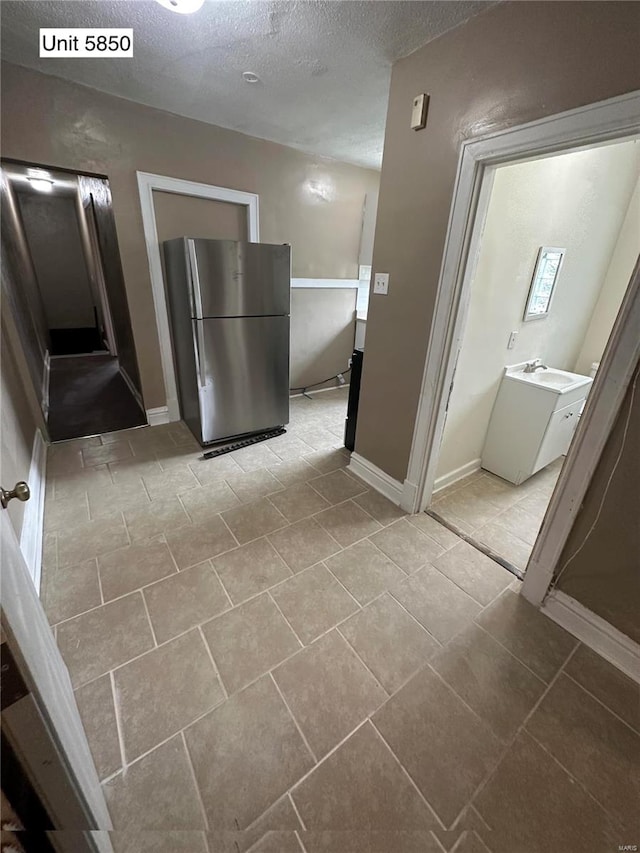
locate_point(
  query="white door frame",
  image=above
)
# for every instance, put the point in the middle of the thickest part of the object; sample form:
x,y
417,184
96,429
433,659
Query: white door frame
x,y
147,183
592,125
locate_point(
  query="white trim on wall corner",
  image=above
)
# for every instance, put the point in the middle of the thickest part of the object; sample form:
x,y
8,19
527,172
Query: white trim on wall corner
x,y
457,474
376,478
158,416
147,183
594,632
32,531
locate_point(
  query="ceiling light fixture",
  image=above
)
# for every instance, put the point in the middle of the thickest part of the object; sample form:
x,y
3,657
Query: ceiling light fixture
x,y
250,77
43,185
182,7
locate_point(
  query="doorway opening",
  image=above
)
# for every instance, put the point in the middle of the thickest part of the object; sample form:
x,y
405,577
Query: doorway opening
x,y
559,243
68,299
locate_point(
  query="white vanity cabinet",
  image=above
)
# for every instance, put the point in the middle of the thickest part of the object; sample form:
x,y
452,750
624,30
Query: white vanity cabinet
x,y
533,421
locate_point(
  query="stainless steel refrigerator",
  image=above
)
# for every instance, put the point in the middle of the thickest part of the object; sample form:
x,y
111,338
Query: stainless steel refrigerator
x,y
229,314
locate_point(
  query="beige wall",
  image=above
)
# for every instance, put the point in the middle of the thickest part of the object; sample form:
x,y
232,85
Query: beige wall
x,y
576,201
53,233
187,216
322,333
515,63
623,260
604,575
313,203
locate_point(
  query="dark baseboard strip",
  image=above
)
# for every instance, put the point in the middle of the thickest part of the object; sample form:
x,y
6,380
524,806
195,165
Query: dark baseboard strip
x,y
479,546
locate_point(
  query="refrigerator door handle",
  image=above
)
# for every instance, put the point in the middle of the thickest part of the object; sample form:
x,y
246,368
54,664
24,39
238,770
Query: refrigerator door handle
x,y
198,342
196,291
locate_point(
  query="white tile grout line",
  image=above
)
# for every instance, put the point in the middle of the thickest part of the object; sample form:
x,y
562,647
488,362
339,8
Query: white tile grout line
x,y
279,609
295,722
195,780
439,843
146,610
340,583
99,581
296,810
234,537
635,731
213,662
575,779
224,589
165,740
408,775
364,664
119,727
502,646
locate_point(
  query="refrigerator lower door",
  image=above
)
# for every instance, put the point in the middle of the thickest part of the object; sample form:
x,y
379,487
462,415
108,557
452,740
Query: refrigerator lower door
x,y
243,375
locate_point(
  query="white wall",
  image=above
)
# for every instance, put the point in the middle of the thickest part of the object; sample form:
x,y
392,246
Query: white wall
x,y
577,201
623,260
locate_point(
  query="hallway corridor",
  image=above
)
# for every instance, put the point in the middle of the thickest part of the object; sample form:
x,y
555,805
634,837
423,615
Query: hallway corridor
x,y
87,396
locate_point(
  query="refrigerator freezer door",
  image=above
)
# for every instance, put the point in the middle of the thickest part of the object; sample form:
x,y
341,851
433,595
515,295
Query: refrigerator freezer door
x,y
231,279
243,375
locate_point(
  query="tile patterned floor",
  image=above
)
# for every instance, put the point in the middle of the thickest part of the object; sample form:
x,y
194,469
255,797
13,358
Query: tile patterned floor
x,y
496,513
268,656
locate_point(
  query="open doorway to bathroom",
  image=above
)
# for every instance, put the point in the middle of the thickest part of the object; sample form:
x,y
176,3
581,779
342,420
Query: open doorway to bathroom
x,y
560,241
63,274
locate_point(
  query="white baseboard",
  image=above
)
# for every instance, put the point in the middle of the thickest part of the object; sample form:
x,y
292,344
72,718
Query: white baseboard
x,y
457,474
158,416
129,383
595,632
33,520
376,478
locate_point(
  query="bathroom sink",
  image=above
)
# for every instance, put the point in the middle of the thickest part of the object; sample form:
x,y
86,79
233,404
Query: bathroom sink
x,y
559,381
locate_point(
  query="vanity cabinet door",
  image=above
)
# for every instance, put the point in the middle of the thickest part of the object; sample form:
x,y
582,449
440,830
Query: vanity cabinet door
x,y
558,434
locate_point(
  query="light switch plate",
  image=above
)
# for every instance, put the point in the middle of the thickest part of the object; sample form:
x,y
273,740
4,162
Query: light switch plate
x,y
512,340
381,283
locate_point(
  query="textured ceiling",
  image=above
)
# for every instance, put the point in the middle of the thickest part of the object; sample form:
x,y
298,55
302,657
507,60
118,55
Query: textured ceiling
x,y
324,67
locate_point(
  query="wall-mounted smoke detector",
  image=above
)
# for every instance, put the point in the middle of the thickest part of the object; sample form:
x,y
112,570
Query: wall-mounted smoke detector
x,y
182,7
250,77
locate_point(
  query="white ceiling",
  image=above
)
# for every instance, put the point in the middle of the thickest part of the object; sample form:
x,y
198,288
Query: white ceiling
x,y
324,65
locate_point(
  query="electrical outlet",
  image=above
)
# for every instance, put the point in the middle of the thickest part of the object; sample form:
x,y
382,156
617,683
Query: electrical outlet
x,y
381,283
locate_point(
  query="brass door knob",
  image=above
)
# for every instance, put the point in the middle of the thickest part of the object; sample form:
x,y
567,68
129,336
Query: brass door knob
x,y
20,491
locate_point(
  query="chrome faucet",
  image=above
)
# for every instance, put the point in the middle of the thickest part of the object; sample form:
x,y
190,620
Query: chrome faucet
x,y
532,366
